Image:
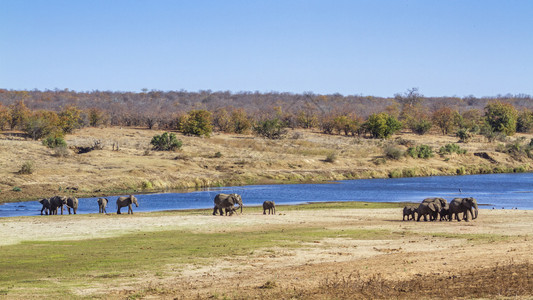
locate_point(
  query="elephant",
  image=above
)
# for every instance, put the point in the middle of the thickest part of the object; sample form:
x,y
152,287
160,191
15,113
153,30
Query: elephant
x,y
465,206
102,203
431,207
126,201
46,206
270,206
444,212
409,212
57,202
72,202
227,202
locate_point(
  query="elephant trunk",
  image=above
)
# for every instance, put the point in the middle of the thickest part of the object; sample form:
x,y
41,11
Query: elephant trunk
x,y
241,208
475,210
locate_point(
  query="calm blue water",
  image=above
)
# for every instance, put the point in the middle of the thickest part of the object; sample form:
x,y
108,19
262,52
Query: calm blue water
x,y
494,190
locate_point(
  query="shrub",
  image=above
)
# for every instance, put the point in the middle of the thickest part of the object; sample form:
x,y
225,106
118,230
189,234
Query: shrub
x,y
218,155
271,129
331,158
451,148
464,135
501,117
422,151
393,152
166,142
382,125
17,189
54,141
70,119
524,123
198,122
421,127
27,168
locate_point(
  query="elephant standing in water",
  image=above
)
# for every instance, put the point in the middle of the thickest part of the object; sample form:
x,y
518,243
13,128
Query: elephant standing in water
x,y
46,206
226,202
72,202
126,201
431,207
57,202
463,205
270,206
102,203
409,212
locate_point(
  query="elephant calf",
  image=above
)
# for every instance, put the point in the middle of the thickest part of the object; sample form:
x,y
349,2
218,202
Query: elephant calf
x,y
270,206
409,212
46,206
102,203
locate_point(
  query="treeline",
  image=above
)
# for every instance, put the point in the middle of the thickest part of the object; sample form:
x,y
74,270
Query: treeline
x,y
43,113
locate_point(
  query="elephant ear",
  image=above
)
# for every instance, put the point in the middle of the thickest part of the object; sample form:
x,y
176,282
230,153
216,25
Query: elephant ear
x,y
433,207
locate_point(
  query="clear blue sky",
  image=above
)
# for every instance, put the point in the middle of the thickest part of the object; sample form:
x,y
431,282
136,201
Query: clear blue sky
x,y
379,48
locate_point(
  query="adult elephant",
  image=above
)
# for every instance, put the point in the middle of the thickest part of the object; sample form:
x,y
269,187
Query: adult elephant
x,y
126,201
57,202
102,204
226,202
72,202
463,205
431,207
46,205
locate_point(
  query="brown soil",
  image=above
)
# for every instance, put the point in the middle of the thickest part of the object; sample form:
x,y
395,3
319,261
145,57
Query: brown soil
x,y
496,247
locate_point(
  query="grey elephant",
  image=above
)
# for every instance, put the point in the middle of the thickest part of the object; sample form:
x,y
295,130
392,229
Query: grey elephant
x,y
431,207
57,202
46,205
227,202
467,206
270,206
444,212
409,212
72,202
102,204
126,201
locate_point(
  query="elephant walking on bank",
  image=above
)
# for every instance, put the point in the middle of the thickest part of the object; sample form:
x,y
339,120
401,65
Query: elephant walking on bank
x,y
57,202
467,206
126,201
72,202
227,202
409,212
46,206
270,206
102,204
431,207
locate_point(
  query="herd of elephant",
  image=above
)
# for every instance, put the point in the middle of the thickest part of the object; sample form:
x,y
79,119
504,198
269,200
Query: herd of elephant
x,y
51,205
224,203
439,208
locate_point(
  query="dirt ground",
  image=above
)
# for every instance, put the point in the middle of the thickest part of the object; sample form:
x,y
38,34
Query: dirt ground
x,y
424,248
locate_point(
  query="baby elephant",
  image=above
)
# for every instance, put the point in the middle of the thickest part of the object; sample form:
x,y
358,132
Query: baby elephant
x,y
270,206
409,212
102,203
46,205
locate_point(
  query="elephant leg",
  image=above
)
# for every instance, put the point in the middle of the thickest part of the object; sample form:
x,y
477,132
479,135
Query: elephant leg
x,y
130,209
118,210
264,212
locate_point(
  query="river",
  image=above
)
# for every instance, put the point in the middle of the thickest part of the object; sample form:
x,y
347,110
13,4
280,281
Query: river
x,y
499,191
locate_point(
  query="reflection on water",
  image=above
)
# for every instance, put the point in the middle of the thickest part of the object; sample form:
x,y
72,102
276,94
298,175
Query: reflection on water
x,y
494,190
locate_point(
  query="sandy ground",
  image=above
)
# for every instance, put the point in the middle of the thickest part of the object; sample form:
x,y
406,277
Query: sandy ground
x,y
426,247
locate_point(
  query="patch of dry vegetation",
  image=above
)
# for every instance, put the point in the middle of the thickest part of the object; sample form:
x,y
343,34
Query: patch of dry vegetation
x,y
228,159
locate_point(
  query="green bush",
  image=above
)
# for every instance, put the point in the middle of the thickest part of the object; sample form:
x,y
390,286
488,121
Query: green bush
x,y
524,123
271,129
464,135
331,158
17,189
382,125
53,141
501,117
421,127
451,148
166,142
197,122
422,151
218,155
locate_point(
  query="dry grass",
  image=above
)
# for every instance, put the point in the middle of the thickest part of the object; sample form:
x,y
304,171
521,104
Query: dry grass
x,y
243,159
